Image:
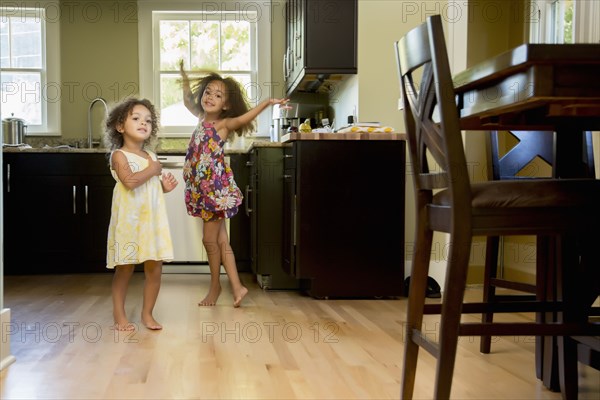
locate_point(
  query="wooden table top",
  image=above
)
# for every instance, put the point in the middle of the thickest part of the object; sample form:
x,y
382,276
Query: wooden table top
x,y
533,86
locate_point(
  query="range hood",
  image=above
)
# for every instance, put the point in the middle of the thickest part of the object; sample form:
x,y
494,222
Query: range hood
x,y
319,83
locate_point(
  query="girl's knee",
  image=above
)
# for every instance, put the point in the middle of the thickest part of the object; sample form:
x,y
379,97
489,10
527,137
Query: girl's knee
x,y
152,268
124,270
211,246
223,242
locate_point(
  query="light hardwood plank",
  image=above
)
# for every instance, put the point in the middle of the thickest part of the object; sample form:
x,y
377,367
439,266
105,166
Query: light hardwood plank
x,y
278,345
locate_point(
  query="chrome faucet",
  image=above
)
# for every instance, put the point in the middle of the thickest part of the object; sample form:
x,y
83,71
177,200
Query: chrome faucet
x,y
89,132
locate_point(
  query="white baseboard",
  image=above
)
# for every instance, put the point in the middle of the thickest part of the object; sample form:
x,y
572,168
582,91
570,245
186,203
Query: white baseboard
x,y
6,358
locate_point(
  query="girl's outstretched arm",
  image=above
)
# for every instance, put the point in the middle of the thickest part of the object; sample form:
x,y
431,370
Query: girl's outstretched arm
x,y
188,96
237,122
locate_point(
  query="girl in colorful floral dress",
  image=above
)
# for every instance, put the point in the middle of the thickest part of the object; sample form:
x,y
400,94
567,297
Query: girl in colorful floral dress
x,y
210,189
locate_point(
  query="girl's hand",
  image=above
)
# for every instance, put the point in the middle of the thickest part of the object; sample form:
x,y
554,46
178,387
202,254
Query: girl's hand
x,y
278,101
182,70
154,166
168,182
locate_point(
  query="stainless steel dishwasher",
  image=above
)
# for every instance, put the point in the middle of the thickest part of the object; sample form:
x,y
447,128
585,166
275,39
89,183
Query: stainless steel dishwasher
x,y
186,231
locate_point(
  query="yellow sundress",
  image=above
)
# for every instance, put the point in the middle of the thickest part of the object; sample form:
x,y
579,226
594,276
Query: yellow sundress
x,y
139,228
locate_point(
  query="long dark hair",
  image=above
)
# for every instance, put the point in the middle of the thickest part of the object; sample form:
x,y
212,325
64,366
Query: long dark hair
x,y
236,99
113,139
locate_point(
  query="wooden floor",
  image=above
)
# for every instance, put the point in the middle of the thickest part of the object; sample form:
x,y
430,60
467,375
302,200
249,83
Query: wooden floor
x,y
278,345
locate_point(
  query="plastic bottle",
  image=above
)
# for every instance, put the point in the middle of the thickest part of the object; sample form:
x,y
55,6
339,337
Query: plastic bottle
x,y
305,126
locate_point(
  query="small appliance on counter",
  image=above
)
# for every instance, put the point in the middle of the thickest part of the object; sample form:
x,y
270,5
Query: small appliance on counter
x,y
284,117
287,117
13,130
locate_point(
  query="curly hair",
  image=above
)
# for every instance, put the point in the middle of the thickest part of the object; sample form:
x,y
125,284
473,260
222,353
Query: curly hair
x,y
236,99
113,139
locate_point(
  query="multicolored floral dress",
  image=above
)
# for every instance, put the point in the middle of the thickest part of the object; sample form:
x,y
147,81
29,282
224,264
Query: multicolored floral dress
x,y
210,189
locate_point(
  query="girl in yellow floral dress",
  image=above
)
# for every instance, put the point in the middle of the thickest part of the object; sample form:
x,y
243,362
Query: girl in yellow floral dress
x,y
210,189
139,229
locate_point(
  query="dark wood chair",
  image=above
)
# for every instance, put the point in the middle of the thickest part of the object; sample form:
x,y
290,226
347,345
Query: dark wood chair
x,y
446,201
517,163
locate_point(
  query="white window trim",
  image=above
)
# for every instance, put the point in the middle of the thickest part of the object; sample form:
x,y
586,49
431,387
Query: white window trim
x,y
51,86
263,62
586,15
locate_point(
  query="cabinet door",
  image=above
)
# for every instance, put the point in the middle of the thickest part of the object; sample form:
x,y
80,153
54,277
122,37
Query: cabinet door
x,y
41,224
239,225
331,35
298,44
251,195
95,210
289,213
289,223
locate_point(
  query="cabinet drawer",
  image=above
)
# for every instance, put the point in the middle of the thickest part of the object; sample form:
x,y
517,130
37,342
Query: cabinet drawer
x,y
33,164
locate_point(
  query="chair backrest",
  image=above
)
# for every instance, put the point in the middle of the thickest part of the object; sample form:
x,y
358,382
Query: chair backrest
x,y
532,144
431,114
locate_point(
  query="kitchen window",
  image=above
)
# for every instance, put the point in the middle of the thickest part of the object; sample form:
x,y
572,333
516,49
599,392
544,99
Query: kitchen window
x,y
204,42
564,21
29,68
226,40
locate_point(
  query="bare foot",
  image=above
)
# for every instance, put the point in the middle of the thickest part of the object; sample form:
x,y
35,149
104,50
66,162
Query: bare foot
x,y
150,323
123,325
211,297
239,296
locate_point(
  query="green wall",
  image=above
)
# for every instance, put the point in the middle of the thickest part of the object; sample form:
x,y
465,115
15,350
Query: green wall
x,y
99,57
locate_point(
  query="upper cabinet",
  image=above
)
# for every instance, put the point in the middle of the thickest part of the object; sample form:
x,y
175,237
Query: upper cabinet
x,y
321,37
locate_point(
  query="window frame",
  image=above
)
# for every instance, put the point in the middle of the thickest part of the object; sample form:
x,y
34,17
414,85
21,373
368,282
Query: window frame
x,y
149,51
50,87
157,18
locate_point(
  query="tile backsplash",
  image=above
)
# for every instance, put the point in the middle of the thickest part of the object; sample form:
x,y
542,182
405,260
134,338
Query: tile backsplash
x,y
162,144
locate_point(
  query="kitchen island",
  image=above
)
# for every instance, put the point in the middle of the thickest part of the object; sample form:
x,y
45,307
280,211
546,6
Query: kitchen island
x,y
344,213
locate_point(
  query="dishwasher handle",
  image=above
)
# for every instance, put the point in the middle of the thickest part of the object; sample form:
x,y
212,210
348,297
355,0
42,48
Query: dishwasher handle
x,y
171,165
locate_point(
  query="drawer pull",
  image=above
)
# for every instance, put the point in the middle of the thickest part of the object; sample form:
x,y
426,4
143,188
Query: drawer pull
x,y
74,199
248,209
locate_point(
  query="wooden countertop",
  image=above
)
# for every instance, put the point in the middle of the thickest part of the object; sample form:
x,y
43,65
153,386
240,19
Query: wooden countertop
x,y
294,136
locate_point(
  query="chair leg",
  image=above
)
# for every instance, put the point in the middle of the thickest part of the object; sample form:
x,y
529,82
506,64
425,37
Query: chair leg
x,y
544,281
567,367
416,302
546,352
567,290
456,279
489,291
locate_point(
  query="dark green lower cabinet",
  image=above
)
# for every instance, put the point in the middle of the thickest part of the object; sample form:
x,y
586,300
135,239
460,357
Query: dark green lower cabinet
x,y
264,204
